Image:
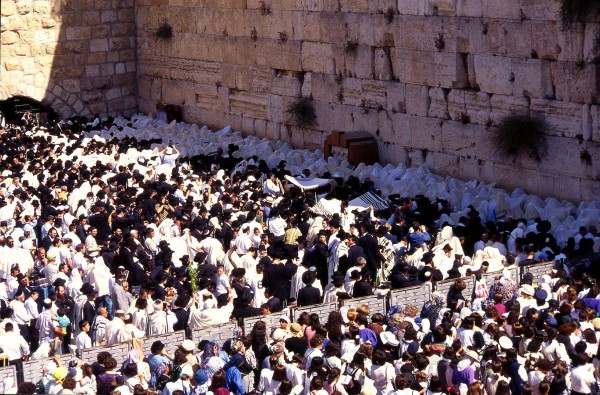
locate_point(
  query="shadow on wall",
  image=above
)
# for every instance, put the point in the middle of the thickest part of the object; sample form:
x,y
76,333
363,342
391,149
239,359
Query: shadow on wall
x,y
75,56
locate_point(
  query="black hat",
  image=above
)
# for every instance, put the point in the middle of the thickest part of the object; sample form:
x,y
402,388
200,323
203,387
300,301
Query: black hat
x,y
21,276
58,282
87,289
163,244
185,258
337,279
3,223
427,257
238,272
308,277
200,257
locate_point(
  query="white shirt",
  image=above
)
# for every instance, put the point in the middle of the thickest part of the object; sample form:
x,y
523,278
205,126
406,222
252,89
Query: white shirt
x,y
13,345
83,341
277,226
32,308
582,378
20,314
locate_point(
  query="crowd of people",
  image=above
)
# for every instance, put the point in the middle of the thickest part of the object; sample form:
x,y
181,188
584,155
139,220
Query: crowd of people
x,y
99,247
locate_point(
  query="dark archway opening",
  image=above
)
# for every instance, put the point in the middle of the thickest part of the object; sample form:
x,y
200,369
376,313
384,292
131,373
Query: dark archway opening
x,y
16,107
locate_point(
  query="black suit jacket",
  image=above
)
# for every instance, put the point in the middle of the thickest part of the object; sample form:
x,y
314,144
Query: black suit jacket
x,y
182,319
362,288
309,295
371,248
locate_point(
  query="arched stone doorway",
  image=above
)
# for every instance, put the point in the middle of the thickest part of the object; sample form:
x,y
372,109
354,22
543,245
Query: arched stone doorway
x,y
14,108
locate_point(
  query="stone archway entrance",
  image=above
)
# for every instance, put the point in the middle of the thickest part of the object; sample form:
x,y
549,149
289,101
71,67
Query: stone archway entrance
x,y
15,107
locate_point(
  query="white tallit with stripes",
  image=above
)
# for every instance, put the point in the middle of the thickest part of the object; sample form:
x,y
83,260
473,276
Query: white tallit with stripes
x,y
365,200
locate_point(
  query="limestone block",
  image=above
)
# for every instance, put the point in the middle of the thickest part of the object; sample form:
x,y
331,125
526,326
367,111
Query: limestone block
x,y
473,8
502,9
415,7
8,8
577,84
415,67
273,131
323,87
532,78
307,26
569,150
417,100
9,38
332,27
571,44
540,10
108,16
395,153
248,104
100,31
590,51
99,45
359,64
373,94
438,104
425,133
450,70
456,104
396,97
351,89
78,33
444,7
120,68
595,114
284,56
90,17
562,118
107,69
12,64
466,140
586,122
493,74
284,84
478,106
24,6
365,120
421,33
48,23
385,128
517,36
504,105
383,64
323,112
545,39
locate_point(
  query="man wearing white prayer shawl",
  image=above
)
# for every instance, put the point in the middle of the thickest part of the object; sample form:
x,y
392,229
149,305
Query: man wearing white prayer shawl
x,y
128,331
161,321
338,250
112,328
208,314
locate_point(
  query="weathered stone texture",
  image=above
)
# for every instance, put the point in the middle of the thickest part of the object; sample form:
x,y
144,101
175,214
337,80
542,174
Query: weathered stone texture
x,y
67,54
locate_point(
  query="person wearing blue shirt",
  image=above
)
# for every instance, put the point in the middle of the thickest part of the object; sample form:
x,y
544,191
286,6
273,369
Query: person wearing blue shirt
x,y
419,237
234,381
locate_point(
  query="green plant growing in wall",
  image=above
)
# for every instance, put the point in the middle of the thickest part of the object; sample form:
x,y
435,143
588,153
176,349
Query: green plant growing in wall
x,y
517,134
264,8
439,42
164,32
351,47
389,15
282,37
301,113
585,157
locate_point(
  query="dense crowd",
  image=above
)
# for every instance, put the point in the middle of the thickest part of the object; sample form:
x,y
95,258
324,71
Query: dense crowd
x,y
100,245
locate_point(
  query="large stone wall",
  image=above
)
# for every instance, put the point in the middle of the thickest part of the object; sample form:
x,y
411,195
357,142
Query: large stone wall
x,y
428,78
77,56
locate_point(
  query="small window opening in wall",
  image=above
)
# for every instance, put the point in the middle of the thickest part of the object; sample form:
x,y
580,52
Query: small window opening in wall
x,y
18,107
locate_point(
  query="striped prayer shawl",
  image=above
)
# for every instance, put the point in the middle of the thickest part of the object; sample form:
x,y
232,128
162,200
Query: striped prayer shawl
x,y
369,199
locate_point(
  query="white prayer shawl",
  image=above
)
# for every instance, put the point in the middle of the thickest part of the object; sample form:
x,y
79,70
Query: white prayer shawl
x,y
162,322
338,250
128,332
297,282
140,320
112,331
200,319
331,293
78,312
313,231
101,278
7,212
387,250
